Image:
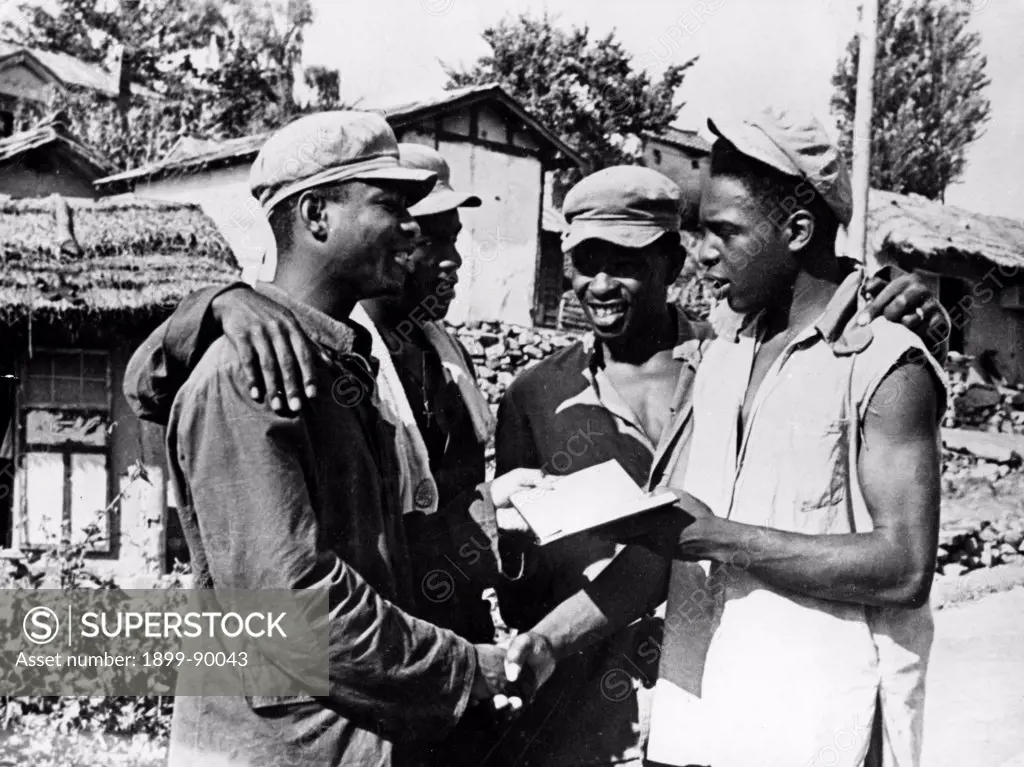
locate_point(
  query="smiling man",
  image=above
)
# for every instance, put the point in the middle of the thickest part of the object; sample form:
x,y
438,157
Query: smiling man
x,y
623,394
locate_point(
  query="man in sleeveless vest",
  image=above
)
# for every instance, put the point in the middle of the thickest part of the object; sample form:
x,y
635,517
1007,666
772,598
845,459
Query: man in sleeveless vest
x,y
804,559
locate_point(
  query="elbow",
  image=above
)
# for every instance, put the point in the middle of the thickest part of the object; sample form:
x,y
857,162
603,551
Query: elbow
x,y
912,591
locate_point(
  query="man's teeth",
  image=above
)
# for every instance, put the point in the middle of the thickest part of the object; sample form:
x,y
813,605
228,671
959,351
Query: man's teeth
x,y
607,310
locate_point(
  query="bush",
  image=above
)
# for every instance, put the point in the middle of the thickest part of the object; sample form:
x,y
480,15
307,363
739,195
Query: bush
x,y
52,731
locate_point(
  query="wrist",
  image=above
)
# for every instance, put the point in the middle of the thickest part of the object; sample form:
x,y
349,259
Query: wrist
x,y
479,689
218,303
706,538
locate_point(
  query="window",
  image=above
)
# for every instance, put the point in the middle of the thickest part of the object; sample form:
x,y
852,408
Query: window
x,y
7,474
695,164
657,156
64,418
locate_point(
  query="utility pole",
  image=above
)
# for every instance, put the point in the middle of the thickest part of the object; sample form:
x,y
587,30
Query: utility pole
x,y
868,44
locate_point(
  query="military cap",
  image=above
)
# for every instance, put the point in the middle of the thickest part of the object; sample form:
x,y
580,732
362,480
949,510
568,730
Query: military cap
x,y
442,197
328,148
626,205
796,144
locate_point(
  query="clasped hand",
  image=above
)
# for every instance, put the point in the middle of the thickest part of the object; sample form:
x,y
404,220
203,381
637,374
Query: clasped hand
x,y
510,678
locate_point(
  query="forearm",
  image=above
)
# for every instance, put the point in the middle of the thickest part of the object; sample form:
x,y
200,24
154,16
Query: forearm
x,y
871,568
394,672
632,585
163,362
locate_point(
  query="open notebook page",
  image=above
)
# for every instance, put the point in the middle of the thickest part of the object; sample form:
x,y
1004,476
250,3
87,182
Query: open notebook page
x,y
585,500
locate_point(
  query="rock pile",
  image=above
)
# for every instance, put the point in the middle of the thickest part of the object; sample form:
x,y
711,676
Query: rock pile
x,y
979,400
969,545
500,352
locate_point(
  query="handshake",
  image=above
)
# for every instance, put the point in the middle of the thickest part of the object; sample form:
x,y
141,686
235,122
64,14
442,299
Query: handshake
x,y
509,678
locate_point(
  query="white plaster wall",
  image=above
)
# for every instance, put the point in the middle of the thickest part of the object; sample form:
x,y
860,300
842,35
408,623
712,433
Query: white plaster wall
x,y
499,243
224,196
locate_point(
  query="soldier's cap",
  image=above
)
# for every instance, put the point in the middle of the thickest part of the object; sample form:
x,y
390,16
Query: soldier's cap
x,y
328,148
442,197
626,205
796,144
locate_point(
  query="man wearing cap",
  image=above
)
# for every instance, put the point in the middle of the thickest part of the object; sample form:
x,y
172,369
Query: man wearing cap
x,y
312,500
815,445
628,387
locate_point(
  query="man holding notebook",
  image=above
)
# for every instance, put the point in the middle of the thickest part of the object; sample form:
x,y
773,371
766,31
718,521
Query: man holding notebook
x,y
622,394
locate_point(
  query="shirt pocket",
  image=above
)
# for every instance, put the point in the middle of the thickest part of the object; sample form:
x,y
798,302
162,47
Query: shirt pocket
x,y
819,460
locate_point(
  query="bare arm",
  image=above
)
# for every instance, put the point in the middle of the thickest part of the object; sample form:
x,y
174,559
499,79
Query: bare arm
x,y
632,585
898,467
277,358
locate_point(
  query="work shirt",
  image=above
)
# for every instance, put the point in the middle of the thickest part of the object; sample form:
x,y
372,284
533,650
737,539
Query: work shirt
x,y
564,415
456,454
309,501
779,678
455,553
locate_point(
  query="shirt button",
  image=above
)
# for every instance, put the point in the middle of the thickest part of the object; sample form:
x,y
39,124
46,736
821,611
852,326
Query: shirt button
x,y
424,495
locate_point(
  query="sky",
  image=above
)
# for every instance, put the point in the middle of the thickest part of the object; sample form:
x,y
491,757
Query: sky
x,y
751,53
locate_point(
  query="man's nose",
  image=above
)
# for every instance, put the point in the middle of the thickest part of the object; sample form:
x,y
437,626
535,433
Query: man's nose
x,y
451,260
410,228
707,253
602,283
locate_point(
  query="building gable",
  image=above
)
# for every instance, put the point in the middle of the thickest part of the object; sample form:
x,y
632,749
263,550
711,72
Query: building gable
x,y
22,77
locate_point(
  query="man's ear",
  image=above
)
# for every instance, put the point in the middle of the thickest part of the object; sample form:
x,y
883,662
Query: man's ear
x,y
312,209
799,230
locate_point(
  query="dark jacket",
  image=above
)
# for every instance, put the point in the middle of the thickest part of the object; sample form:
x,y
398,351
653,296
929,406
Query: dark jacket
x,y
308,501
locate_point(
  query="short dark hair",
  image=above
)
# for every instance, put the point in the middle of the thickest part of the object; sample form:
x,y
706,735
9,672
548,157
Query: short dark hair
x,y
282,217
774,189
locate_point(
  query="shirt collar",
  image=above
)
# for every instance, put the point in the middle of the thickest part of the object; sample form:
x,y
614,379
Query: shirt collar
x,y
841,308
334,337
835,324
687,342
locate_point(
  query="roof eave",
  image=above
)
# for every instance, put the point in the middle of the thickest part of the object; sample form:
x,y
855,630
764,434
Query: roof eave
x,y
556,146
158,173
675,143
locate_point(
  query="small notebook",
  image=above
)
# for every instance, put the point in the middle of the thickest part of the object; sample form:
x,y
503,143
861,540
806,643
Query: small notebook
x,y
585,500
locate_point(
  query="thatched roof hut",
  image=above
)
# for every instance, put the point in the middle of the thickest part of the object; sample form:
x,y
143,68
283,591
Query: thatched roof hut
x,y
918,233
76,268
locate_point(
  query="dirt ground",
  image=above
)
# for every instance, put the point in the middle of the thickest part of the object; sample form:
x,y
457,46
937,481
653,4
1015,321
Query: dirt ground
x,y
975,708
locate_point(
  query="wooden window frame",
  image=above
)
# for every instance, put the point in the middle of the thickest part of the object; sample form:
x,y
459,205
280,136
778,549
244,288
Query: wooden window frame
x,y
19,526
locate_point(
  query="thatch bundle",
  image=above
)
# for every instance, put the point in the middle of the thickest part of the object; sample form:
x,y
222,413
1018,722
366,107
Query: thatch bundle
x,y
135,260
925,234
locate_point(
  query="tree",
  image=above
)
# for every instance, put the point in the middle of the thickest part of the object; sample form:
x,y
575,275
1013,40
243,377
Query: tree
x,y
588,91
326,86
929,96
219,68
140,33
